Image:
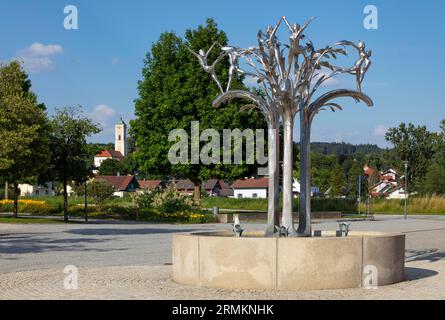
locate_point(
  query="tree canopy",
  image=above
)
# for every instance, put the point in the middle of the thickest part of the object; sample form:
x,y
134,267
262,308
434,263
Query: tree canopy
x,y
24,129
69,150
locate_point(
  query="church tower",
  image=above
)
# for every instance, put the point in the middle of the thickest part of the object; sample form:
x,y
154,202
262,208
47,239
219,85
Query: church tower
x,y
120,143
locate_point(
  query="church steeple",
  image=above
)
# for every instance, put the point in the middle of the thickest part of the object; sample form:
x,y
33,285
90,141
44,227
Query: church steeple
x,y
121,137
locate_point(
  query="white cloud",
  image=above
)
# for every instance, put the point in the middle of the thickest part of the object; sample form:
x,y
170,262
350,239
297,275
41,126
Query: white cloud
x,y
103,111
38,49
380,130
324,72
37,57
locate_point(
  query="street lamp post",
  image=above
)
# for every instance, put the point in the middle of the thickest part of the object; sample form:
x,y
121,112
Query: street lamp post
x,y
359,192
406,189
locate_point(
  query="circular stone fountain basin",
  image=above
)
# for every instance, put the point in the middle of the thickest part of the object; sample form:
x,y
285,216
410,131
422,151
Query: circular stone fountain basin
x,y
218,259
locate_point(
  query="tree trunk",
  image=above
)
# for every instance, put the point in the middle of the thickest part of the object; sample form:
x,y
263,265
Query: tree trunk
x,y
65,202
197,192
287,220
304,223
16,200
273,210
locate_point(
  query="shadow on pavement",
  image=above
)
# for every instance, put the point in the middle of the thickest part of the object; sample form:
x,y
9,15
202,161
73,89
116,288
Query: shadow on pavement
x,y
119,231
24,244
417,273
431,255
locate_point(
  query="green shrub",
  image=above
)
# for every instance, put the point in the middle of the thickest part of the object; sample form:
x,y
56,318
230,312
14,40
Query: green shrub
x,y
170,201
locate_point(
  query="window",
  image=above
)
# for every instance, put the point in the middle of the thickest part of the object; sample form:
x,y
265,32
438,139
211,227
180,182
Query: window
x,y
37,192
239,195
119,137
255,195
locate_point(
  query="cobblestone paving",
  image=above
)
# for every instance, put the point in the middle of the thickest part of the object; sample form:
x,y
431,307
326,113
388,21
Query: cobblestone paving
x,y
425,281
131,261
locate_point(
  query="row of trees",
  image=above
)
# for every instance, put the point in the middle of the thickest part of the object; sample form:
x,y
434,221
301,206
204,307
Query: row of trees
x,y
337,167
34,147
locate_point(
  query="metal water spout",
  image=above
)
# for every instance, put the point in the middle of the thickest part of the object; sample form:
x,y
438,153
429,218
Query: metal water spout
x,y
344,228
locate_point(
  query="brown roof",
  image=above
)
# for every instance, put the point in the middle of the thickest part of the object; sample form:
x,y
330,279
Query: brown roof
x,y
261,183
183,184
120,183
210,184
110,154
150,184
226,192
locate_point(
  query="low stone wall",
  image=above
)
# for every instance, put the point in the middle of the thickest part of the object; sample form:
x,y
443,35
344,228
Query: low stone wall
x,y
255,262
262,216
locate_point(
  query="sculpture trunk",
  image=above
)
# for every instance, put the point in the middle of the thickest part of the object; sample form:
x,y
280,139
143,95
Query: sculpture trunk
x,y
287,220
274,177
304,217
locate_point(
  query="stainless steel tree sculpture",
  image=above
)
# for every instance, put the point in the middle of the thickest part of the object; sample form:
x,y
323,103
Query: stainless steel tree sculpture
x,y
289,76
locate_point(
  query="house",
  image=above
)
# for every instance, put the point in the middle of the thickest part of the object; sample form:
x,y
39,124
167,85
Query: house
x,y
184,186
296,189
37,190
107,154
388,184
397,193
120,146
212,187
250,188
121,184
150,185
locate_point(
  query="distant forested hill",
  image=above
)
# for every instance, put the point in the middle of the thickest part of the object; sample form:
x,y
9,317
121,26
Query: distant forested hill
x,y
343,148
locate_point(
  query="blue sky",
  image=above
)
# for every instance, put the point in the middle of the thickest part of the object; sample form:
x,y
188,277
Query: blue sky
x,y
98,65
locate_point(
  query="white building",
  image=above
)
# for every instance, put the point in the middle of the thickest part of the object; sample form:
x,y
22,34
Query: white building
x,y
398,193
120,143
106,154
35,190
250,188
120,146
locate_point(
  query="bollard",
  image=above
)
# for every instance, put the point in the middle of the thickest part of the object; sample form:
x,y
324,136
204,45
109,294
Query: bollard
x,y
215,211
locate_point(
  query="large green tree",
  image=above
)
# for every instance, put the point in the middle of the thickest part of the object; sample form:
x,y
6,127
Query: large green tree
x,y
174,92
110,167
24,151
70,155
416,145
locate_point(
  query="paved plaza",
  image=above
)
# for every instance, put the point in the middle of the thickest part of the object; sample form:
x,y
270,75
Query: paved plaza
x,y
124,260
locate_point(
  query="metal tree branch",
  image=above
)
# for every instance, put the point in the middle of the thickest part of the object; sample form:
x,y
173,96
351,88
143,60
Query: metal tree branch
x,y
289,86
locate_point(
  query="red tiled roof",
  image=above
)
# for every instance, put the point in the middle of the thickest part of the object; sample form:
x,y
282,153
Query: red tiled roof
x,y
110,154
261,183
120,183
149,184
368,171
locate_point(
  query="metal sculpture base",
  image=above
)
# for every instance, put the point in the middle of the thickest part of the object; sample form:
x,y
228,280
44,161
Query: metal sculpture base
x,y
217,259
